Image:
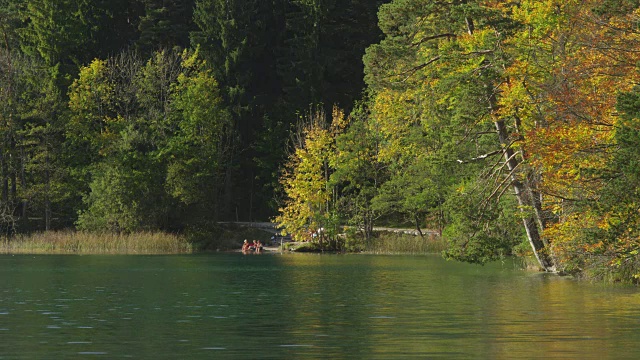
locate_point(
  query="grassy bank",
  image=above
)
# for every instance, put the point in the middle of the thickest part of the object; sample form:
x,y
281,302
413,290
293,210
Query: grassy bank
x,y
77,242
386,242
382,242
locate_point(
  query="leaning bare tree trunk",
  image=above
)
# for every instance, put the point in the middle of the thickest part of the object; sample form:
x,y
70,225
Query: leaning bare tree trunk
x,y
525,196
523,191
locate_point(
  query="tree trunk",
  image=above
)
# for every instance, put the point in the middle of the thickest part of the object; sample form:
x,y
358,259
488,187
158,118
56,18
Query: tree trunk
x,y
416,219
47,202
23,182
13,195
523,191
525,195
368,225
4,179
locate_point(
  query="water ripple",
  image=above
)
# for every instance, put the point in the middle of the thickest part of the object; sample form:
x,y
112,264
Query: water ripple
x,y
93,353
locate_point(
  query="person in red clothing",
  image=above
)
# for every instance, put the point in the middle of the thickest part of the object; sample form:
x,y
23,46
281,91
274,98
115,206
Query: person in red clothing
x,y
246,246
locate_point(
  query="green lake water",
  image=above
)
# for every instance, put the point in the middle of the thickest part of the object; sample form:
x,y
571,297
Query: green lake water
x,y
294,306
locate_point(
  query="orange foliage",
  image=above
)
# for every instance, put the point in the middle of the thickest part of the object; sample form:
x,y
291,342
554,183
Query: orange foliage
x,y
570,64
573,77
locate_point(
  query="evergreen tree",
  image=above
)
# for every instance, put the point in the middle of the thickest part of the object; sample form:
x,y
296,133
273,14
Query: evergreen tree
x,y
113,26
164,25
9,24
33,175
57,32
240,40
348,29
10,93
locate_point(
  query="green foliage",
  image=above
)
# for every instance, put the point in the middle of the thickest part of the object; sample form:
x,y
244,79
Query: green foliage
x,y
9,24
304,247
359,172
354,242
164,25
158,144
432,78
479,116
94,122
273,60
196,152
323,45
83,110
480,231
240,41
33,177
114,203
63,33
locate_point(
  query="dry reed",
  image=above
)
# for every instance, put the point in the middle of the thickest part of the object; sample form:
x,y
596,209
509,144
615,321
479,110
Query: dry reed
x,y
397,243
79,242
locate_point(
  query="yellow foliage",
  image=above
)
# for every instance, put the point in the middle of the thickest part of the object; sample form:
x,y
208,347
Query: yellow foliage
x,y
555,78
306,178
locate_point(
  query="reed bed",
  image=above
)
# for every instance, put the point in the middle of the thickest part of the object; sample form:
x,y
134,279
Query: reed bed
x,y
398,243
79,242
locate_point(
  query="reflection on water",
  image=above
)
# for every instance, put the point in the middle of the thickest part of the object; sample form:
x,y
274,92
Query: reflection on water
x,y
304,306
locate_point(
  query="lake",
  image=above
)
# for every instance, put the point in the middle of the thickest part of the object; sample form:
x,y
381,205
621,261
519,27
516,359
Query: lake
x,y
303,306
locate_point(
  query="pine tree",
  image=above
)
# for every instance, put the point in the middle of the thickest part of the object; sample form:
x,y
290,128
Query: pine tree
x,y
164,25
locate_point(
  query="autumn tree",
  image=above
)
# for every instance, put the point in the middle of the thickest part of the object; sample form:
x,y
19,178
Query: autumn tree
x,y
441,66
570,62
310,203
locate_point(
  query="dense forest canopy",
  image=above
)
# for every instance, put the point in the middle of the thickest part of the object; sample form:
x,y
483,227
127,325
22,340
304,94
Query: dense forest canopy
x,y
507,126
143,114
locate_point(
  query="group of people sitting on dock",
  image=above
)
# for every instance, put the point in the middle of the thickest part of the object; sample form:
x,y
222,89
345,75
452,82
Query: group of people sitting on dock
x,y
256,246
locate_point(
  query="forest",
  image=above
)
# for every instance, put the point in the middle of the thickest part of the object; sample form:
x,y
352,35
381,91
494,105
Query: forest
x,y
510,127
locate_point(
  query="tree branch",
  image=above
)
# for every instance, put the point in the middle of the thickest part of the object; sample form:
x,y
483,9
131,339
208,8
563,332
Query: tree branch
x,y
481,157
559,196
501,186
433,37
479,52
415,69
